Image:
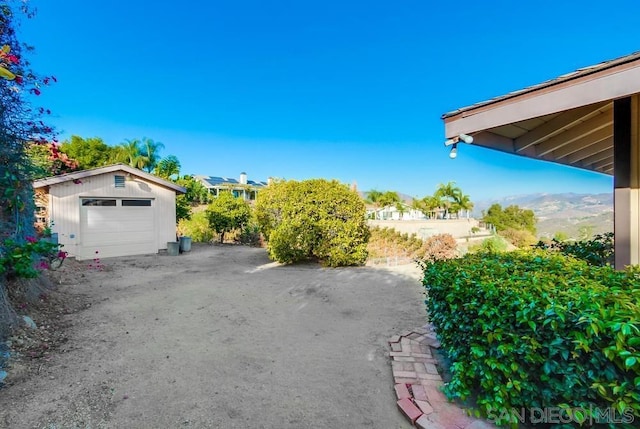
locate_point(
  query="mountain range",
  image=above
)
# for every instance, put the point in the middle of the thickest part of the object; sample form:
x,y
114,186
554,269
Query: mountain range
x,y
576,215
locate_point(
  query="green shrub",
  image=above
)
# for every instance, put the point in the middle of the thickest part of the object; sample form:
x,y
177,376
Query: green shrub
x,y
227,213
313,219
197,227
597,251
493,244
538,329
250,234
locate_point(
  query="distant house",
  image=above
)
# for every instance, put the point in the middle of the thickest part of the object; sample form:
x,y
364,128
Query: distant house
x,y
392,213
108,211
241,187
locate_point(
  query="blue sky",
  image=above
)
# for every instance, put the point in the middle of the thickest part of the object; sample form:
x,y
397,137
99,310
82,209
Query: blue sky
x,y
350,90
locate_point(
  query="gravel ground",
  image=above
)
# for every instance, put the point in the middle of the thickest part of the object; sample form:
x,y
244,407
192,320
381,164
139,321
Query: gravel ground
x,y
219,337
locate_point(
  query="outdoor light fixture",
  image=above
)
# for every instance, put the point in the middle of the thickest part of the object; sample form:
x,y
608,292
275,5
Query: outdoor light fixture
x,y
466,138
454,151
453,142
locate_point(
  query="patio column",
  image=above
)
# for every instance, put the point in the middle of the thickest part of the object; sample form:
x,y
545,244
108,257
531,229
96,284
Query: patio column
x,y
626,182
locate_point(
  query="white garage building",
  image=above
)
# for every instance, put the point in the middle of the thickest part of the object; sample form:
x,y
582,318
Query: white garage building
x,y
109,211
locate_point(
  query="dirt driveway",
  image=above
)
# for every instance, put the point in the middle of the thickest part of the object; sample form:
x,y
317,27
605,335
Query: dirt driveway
x,y
222,338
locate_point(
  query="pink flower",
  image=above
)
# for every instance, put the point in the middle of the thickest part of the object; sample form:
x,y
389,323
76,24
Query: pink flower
x,y
31,239
42,265
62,254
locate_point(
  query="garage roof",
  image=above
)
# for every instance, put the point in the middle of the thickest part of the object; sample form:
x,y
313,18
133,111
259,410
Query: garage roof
x,y
567,120
78,175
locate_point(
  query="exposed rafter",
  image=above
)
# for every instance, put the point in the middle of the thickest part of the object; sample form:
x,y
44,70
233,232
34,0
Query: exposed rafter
x,y
603,120
584,144
559,124
591,153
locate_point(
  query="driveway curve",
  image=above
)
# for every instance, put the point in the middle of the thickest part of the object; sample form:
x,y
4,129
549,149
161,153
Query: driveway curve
x,y
220,337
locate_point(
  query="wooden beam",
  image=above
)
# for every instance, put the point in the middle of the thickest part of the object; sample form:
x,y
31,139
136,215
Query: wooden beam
x,y
599,156
588,151
560,123
493,141
607,162
580,131
584,144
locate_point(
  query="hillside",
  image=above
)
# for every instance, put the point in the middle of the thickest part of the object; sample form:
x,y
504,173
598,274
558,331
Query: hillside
x,y
569,213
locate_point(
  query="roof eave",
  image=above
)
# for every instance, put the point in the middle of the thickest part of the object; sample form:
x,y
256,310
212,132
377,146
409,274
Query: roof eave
x,y
79,175
587,73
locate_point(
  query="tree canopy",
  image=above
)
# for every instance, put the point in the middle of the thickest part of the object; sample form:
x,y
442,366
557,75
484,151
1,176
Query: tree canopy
x,y
447,198
512,217
143,154
89,152
226,213
168,168
313,219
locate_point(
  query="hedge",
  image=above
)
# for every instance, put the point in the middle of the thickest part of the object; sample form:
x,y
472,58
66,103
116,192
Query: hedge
x,y
538,330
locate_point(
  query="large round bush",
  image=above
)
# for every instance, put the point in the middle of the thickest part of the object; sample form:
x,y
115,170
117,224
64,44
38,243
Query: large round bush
x,y
313,219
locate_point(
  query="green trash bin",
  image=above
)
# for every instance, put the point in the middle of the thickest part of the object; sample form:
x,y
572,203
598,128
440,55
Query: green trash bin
x,y
173,248
185,244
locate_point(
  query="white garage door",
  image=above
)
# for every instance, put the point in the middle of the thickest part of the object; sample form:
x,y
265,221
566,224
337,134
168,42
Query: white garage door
x,y
116,227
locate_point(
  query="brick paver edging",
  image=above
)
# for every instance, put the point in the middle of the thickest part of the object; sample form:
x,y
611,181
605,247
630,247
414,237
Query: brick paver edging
x,y
417,383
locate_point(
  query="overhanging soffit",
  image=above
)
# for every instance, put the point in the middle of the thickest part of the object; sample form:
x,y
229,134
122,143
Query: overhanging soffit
x,y
567,120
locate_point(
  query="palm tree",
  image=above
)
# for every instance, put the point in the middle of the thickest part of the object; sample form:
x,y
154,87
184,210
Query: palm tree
x,y
373,197
129,153
150,150
449,194
418,205
431,204
463,202
389,198
168,167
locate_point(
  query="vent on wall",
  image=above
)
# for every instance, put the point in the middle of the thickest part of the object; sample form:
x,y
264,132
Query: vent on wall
x,y
119,181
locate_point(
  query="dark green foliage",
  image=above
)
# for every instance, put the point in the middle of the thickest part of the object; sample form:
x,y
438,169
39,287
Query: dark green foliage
x,y
597,251
89,152
511,217
197,193
227,213
20,123
313,219
250,234
183,208
28,259
537,329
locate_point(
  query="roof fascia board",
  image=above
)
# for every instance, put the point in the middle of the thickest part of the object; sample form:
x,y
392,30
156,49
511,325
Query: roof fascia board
x,y
607,85
78,175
